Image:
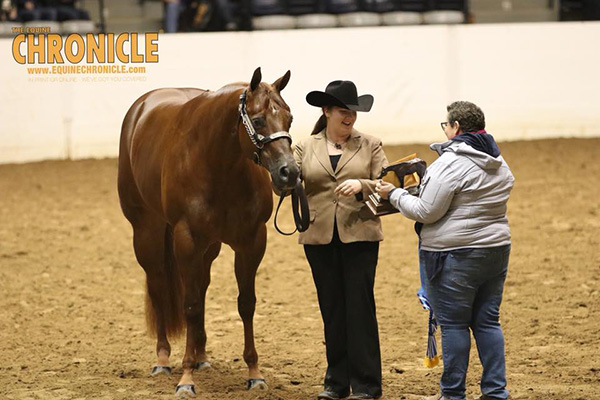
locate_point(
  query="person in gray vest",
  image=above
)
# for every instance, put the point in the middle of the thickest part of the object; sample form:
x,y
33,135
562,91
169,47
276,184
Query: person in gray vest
x,y
464,247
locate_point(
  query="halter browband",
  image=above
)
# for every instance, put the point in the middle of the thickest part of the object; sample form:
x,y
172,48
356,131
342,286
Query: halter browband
x,y
257,139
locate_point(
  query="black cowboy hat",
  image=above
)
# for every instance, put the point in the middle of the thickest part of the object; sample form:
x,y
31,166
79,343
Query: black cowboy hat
x,y
342,94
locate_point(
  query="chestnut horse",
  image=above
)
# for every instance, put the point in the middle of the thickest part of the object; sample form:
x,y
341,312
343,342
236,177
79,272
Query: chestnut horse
x,y
194,170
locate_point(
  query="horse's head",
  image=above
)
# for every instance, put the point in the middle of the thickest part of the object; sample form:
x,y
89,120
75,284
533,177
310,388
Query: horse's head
x,y
266,131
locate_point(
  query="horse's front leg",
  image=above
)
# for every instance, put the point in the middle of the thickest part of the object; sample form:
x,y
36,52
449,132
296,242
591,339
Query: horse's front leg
x,y
190,254
247,260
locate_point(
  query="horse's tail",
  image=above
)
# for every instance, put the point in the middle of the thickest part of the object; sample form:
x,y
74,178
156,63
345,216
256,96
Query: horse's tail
x,y
170,302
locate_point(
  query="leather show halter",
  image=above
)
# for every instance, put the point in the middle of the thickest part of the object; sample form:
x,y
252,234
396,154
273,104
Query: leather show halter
x,y
257,139
299,200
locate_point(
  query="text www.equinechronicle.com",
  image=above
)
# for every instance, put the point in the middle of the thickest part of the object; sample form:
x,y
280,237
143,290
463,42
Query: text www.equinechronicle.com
x,y
85,69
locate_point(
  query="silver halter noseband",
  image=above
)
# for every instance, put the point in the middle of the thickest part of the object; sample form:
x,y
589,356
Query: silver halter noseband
x,y
256,138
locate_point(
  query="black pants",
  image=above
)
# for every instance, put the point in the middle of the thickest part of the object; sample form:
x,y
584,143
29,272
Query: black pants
x,y
344,275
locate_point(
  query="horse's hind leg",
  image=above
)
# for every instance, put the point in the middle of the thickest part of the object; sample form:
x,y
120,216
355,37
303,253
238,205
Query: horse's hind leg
x,y
152,241
247,260
209,256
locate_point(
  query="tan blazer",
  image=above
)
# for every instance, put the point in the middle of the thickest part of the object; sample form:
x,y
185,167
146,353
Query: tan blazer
x,y
363,159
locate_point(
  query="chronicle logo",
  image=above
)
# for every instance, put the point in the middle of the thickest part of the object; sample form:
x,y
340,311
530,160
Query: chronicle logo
x,y
53,48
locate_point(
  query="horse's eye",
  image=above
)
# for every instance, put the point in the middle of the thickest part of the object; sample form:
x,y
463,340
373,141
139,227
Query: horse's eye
x,y
259,122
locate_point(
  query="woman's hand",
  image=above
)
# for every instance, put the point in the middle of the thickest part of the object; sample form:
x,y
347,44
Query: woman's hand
x,y
384,188
349,188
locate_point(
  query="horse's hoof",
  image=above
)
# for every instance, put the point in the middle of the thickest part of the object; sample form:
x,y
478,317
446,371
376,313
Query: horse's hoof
x,y
185,391
161,369
202,365
256,384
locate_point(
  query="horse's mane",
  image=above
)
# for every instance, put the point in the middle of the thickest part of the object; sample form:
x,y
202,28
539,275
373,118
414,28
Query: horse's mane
x,y
233,86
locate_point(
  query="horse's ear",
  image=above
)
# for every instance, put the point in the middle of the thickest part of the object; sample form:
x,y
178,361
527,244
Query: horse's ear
x,y
282,82
256,78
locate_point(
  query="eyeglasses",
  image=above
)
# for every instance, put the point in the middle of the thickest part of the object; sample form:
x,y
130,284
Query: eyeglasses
x,y
443,125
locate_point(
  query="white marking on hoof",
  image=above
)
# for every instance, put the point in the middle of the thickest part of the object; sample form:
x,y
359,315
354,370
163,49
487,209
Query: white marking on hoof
x,y
161,369
256,384
185,391
202,365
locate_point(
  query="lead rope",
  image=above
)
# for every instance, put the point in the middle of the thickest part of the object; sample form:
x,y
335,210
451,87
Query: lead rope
x,y
301,216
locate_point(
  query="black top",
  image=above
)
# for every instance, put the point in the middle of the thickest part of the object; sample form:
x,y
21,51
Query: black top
x,y
334,161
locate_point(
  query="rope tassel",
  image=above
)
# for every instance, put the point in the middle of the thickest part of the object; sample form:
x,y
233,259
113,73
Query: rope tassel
x,y
431,356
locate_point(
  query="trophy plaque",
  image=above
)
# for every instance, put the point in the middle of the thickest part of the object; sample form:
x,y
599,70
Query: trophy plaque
x,y
405,173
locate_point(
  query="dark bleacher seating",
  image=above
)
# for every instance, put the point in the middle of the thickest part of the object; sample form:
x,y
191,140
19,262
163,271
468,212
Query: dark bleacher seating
x,y
342,6
411,5
302,7
578,10
379,6
456,5
271,14
354,13
571,10
268,7
446,12
591,10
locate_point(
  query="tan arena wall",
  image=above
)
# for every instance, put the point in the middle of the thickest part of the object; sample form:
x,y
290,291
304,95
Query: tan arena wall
x,y
533,80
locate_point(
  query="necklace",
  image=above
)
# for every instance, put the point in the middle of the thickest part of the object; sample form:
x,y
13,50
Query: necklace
x,y
334,144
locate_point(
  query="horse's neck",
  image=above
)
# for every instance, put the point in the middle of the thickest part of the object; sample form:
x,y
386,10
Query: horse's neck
x,y
216,131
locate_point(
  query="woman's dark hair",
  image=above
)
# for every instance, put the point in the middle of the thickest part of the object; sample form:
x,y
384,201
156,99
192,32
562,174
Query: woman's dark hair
x,y
320,125
469,116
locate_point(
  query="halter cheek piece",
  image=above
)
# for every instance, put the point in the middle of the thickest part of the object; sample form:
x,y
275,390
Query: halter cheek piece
x,y
257,139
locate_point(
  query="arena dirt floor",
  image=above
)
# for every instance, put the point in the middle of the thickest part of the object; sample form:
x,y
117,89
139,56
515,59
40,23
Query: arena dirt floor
x,y
72,295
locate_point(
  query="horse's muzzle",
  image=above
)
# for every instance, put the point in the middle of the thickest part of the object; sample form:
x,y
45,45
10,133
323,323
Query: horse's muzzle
x,y
285,175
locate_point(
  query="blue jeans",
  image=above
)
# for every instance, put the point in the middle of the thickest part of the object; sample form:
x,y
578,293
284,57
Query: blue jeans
x,y
466,294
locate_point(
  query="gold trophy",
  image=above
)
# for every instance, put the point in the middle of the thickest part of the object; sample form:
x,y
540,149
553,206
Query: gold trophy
x,y
404,173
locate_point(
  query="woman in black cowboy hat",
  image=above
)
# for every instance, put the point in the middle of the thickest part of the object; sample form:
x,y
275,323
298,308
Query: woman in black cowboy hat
x,y
339,168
